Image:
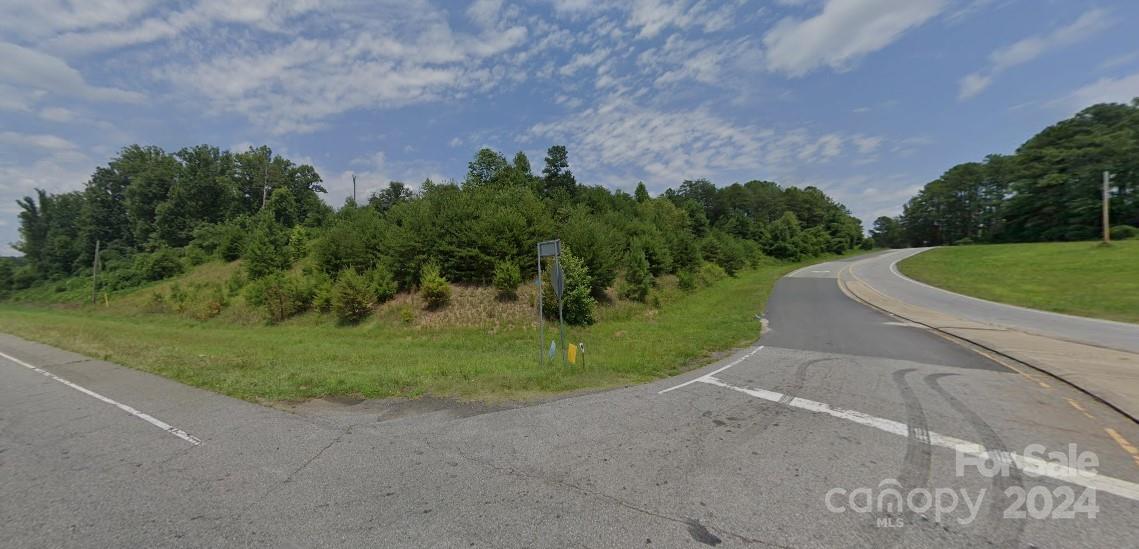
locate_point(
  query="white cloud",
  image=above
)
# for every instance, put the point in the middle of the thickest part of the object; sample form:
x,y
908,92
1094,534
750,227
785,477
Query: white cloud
x,y
39,141
295,85
1028,49
680,59
27,68
1106,90
618,142
127,30
842,33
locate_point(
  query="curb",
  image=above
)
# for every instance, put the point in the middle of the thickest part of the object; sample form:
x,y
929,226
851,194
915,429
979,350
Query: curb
x,y
966,342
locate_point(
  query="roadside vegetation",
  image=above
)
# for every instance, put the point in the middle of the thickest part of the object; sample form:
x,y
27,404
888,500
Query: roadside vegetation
x,y
1048,190
478,348
228,271
1078,278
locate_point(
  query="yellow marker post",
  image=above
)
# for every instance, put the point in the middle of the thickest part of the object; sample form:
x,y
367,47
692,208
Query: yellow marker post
x,y
571,351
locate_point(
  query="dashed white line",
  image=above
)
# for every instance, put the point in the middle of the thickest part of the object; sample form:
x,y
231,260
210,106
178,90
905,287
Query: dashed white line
x,y
1031,465
143,416
710,374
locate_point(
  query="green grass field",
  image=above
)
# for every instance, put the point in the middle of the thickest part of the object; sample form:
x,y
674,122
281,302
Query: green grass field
x,y
309,356
1078,278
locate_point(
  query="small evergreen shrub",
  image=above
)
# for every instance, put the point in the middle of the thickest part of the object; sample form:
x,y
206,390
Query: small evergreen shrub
x,y
163,263
1123,232
507,278
266,251
382,284
686,280
351,297
709,274
577,299
433,287
638,279
286,295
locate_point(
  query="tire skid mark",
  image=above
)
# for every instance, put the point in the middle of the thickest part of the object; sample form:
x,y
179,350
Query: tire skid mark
x,y
750,422
1005,532
917,460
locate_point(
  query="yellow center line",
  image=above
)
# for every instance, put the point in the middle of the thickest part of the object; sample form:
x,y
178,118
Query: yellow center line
x,y
1076,404
1124,443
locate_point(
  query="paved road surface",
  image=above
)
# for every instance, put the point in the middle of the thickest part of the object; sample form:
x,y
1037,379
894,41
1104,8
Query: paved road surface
x,y
741,453
882,273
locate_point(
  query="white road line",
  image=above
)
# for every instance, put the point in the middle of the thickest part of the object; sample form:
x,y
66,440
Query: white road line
x,y
710,374
145,417
1031,465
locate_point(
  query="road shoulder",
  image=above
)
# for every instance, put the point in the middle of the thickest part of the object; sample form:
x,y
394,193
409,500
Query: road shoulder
x,y
1109,375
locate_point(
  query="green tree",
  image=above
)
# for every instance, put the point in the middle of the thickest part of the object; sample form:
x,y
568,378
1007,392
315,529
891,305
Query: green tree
x,y
435,289
557,179
507,278
351,297
638,279
266,250
577,300
642,194
487,168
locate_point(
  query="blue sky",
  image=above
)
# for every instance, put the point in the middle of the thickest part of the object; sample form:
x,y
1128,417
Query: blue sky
x,y
866,99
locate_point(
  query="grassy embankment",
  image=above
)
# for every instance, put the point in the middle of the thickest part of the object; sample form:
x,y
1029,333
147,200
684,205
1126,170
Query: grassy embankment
x,y
1077,278
476,349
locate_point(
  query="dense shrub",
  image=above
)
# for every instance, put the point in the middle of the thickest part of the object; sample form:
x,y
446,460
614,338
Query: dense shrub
x,y
638,279
351,297
1124,232
435,289
709,274
225,240
162,263
783,240
686,280
299,238
598,243
353,242
507,278
196,256
266,251
963,241
285,295
577,299
382,283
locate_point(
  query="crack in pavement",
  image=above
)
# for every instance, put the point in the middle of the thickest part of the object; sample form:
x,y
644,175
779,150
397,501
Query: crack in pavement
x,y
687,523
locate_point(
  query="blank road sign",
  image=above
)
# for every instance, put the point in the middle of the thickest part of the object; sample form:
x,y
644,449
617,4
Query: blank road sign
x,y
549,248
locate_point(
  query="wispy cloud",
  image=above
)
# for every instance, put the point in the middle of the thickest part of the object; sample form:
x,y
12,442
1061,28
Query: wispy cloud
x,y
33,69
842,33
1028,49
1106,90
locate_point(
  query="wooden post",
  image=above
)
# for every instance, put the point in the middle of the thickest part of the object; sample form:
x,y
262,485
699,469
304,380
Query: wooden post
x,y
95,276
1106,207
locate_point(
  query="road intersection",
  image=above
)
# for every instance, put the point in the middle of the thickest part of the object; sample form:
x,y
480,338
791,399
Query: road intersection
x,y
799,441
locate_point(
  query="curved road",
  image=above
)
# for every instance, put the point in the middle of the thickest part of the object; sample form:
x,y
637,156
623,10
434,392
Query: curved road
x,y
882,273
785,445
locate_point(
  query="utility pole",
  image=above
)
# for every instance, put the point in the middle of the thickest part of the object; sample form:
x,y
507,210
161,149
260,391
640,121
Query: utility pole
x,y
265,181
353,189
1106,207
95,276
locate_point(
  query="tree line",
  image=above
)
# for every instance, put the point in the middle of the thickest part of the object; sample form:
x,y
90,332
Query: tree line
x,y
1050,189
155,214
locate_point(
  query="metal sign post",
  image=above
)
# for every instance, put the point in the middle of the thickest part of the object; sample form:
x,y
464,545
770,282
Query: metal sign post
x,y
559,279
549,248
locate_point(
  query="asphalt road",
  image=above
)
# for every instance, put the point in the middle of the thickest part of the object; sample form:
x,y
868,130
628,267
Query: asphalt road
x,y
882,273
763,448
